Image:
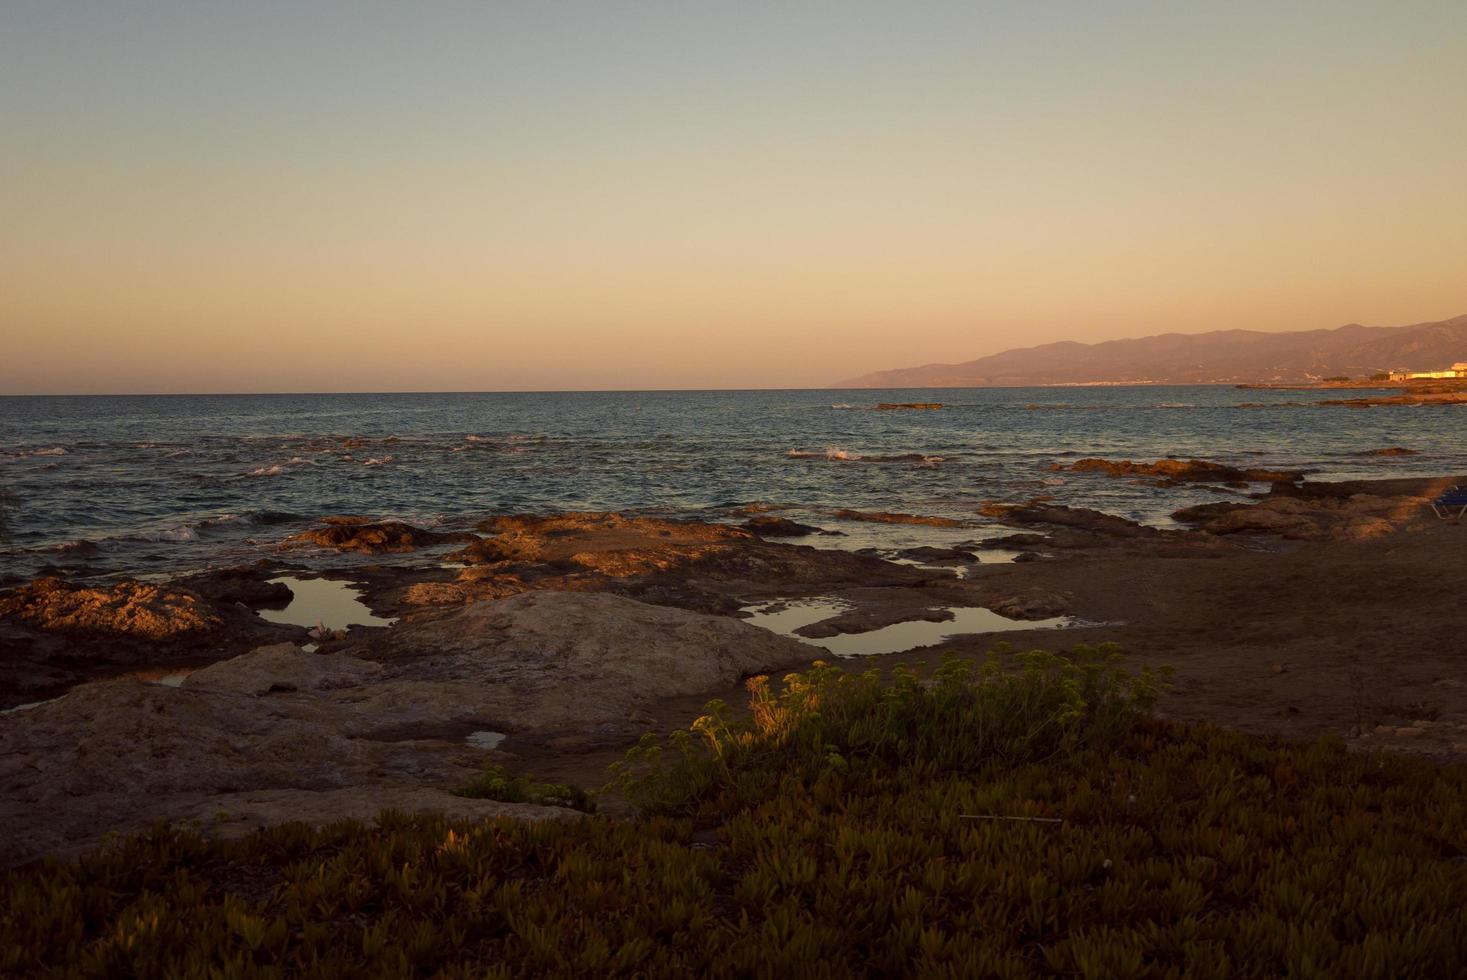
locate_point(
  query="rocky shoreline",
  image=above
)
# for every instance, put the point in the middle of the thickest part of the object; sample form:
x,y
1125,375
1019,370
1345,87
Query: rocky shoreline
x,y
1301,609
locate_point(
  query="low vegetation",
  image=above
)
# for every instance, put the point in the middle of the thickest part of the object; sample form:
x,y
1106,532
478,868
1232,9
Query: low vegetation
x,y
988,822
497,783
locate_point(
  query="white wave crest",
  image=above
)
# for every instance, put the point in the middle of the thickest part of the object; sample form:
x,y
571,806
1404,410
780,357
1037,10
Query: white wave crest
x,y
56,451
180,533
833,453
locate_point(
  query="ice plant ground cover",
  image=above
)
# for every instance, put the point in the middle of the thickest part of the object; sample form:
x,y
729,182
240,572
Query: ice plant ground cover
x,y
1028,819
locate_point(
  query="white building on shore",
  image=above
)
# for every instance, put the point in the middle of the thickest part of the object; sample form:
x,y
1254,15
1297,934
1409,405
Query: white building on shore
x,y
1458,370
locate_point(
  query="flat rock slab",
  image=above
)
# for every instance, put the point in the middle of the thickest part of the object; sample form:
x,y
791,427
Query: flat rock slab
x,y
278,733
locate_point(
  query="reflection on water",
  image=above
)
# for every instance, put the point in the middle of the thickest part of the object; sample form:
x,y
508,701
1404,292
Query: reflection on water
x,y
785,617
323,602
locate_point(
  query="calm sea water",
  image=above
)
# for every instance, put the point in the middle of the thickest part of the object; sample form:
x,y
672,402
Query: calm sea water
x,y
158,484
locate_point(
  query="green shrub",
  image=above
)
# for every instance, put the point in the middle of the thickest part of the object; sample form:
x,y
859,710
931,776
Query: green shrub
x,y
1174,851
963,719
497,783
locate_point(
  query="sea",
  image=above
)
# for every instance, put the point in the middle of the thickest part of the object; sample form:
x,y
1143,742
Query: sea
x,y
151,486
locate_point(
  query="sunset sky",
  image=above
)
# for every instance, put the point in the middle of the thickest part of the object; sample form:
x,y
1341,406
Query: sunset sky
x,y
201,196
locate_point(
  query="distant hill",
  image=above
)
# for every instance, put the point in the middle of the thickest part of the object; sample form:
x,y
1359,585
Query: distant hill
x,y
1221,356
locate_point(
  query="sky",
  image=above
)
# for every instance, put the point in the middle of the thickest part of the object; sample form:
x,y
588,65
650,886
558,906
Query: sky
x,y
367,196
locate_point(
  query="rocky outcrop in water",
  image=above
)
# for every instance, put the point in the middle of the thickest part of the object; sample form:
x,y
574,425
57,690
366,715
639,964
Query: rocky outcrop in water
x,y
780,527
1182,471
374,537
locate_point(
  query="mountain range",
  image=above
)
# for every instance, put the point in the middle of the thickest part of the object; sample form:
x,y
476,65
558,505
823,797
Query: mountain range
x,y
1220,356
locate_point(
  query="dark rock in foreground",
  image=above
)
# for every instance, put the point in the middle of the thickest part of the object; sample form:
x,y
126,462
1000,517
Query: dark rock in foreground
x,y
280,734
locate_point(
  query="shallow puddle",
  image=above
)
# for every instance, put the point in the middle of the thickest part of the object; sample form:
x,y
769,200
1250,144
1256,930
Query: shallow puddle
x,y
323,602
484,739
28,706
786,617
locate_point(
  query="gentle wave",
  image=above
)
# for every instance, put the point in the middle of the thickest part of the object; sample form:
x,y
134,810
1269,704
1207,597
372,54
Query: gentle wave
x,y
837,455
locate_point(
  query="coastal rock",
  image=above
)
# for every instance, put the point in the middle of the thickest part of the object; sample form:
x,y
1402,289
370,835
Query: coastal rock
x,y
548,661
132,609
248,585
939,556
688,564
1182,470
605,543
1307,513
1078,518
55,633
385,720
779,527
283,668
373,537
117,756
1037,604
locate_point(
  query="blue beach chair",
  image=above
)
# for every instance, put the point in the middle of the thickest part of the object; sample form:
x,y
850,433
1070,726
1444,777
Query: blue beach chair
x,y
1455,499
